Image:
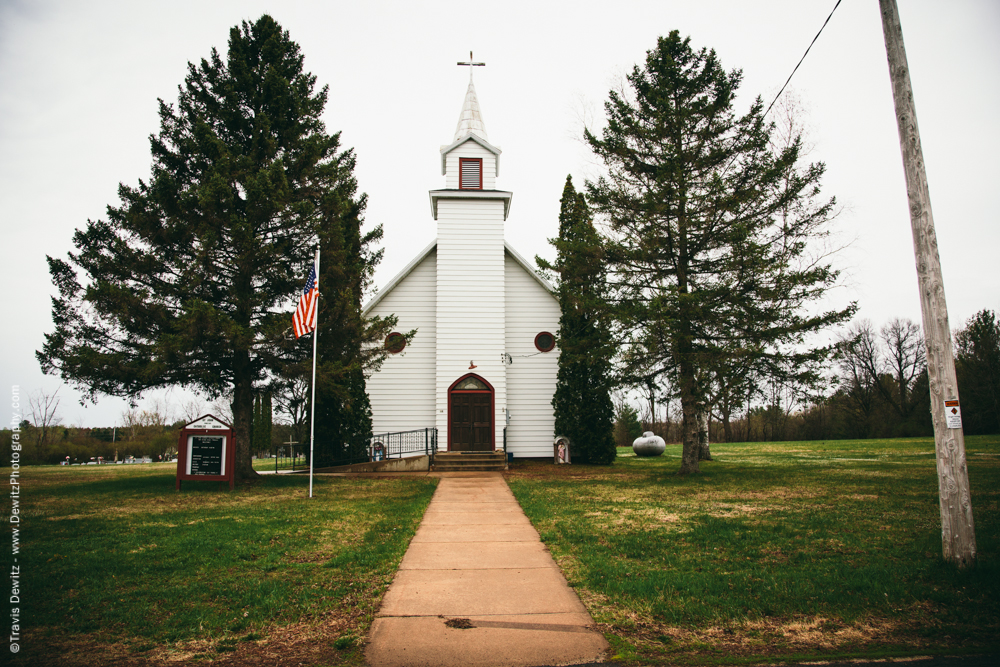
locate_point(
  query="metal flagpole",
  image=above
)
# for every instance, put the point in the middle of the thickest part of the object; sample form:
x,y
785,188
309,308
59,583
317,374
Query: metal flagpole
x,y
312,416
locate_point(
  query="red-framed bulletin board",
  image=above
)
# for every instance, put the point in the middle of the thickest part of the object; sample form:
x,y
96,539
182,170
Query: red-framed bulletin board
x,y
205,451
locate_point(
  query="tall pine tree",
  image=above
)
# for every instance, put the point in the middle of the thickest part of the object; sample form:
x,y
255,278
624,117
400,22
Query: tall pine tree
x,y
978,364
262,425
709,231
582,399
348,343
192,279
268,423
257,427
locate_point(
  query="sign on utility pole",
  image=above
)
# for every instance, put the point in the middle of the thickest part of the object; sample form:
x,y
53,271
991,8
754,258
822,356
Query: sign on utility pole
x,y
958,535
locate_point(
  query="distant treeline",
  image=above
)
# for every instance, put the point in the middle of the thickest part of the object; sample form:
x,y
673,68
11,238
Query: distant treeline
x,y
881,391
53,444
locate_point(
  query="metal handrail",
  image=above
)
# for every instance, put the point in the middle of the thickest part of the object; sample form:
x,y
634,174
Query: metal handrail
x,y
397,443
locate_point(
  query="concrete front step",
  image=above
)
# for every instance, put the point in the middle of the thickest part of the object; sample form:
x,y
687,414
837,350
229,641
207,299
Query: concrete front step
x,y
472,456
461,461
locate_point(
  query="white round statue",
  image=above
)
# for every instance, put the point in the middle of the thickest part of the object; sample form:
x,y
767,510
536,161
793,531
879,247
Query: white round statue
x,y
649,445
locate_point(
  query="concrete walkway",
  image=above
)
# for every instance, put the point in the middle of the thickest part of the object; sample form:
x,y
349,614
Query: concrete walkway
x,y
476,561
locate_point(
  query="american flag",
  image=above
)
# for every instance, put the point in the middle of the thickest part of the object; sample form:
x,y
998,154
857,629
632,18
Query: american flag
x,y
304,320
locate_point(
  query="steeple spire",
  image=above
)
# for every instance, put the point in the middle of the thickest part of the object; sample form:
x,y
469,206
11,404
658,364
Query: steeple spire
x,y
471,119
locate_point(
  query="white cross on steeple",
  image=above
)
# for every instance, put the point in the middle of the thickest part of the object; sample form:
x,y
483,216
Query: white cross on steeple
x,y
472,63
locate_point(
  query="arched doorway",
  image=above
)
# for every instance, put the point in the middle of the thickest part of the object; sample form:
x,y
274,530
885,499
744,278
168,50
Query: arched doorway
x,y
470,415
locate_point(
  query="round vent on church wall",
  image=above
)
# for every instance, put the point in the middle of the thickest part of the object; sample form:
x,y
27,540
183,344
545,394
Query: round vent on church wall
x,y
395,342
545,342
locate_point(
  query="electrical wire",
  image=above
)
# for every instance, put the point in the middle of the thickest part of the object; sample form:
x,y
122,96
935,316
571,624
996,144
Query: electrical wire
x,y
803,57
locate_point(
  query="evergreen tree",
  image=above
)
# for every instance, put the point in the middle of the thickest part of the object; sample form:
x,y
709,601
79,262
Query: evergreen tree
x,y
627,425
349,345
262,425
268,423
978,350
582,399
192,279
258,424
709,228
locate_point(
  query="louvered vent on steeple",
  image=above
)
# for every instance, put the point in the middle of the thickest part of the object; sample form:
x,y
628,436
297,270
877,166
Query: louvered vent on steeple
x,y
470,176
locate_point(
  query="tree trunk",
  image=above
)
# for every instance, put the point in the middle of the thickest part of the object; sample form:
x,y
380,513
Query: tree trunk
x,y
689,428
243,420
727,428
704,453
958,534
652,405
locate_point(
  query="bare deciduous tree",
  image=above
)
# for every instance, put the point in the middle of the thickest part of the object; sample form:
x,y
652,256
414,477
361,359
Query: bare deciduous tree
x,y
222,408
44,410
292,400
905,361
857,355
192,409
156,414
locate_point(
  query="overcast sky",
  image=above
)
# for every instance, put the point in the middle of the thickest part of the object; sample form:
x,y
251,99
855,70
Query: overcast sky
x,y
79,82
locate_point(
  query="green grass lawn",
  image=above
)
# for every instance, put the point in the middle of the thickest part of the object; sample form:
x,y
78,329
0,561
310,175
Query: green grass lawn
x,y
798,550
776,551
117,564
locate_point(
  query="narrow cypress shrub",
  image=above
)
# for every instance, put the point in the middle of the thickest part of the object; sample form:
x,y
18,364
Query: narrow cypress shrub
x,y
582,400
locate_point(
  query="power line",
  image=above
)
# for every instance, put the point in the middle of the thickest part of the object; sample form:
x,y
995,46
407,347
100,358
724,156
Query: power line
x,y
803,58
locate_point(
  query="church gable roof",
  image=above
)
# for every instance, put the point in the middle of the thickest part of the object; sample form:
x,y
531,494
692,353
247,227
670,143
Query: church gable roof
x,y
407,270
527,267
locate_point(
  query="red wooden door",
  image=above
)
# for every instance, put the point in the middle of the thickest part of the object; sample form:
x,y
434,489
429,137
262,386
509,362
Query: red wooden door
x,y
471,421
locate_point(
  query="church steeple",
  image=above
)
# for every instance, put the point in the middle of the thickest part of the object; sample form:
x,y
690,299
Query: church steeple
x,y
471,119
470,162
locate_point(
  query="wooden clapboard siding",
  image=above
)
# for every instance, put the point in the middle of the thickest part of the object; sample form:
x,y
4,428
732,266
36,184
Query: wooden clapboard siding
x,y
471,149
402,392
473,301
531,380
470,301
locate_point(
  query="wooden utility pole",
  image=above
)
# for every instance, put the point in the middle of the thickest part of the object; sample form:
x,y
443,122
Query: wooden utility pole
x,y
958,535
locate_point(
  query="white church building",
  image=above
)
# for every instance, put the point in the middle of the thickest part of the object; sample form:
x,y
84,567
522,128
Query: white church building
x,y
483,362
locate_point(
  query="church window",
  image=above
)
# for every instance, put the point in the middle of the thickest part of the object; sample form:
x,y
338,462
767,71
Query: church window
x,y
471,383
545,342
395,342
470,173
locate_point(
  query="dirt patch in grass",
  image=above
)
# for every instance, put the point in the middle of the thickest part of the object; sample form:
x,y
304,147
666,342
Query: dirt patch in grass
x,y
782,493
538,469
773,637
329,641
629,516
